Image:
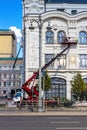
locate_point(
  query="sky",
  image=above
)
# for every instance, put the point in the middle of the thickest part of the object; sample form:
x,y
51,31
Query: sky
x,y
11,18
69,1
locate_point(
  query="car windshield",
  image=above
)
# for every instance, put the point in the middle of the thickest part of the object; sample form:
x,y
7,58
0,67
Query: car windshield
x,y
18,95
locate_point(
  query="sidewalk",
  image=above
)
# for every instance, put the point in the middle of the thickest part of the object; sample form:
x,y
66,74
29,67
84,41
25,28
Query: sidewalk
x,y
48,113
56,111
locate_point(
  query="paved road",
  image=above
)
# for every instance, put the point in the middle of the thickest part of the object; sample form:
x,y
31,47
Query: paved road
x,y
43,122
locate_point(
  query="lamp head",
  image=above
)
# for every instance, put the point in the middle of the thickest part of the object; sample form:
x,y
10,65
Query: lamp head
x,y
31,27
48,27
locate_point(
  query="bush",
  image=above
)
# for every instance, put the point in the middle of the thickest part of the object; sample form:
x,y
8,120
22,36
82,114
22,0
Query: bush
x,y
68,103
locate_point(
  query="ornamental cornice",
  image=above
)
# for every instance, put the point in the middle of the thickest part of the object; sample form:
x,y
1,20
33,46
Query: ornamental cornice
x,y
63,15
31,1
81,15
55,14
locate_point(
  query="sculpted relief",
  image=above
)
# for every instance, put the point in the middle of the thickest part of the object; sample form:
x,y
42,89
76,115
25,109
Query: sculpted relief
x,y
34,8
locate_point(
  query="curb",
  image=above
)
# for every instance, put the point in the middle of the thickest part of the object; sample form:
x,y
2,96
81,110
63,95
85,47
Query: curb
x,y
55,113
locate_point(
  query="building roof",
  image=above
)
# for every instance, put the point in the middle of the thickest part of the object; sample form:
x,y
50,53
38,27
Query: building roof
x,y
10,61
7,32
67,1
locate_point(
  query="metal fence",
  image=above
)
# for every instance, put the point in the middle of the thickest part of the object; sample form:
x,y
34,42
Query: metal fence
x,y
26,106
6,105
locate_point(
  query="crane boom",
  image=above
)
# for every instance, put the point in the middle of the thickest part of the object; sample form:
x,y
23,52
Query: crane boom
x,y
25,86
53,59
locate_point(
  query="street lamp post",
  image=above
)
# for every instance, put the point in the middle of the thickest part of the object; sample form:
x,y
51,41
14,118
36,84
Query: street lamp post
x,y
39,22
40,65
24,46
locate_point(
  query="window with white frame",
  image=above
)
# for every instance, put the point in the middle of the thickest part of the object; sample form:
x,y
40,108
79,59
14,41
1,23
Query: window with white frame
x,y
61,61
49,37
83,60
48,58
83,37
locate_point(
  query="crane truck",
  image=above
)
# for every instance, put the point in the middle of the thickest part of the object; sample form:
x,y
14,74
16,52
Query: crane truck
x,y
32,91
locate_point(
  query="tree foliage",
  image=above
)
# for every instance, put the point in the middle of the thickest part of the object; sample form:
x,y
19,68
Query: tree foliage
x,y
78,87
46,81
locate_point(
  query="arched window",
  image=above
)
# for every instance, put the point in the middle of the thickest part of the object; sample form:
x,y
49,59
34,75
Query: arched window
x,y
60,36
83,37
58,88
49,37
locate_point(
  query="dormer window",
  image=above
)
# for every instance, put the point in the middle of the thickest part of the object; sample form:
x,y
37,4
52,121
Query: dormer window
x,y
73,12
62,10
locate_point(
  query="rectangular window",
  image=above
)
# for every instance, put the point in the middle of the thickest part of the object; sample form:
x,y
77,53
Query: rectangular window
x,y
5,75
4,83
13,83
4,91
83,61
14,76
48,58
9,83
21,68
0,76
61,61
9,76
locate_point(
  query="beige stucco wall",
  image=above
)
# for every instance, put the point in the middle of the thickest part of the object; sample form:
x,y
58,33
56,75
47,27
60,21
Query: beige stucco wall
x,y
5,46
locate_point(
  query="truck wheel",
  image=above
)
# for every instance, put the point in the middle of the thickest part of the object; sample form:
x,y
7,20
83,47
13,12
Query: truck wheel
x,y
18,104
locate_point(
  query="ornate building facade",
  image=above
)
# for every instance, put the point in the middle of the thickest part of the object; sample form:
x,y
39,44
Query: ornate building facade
x,y
51,21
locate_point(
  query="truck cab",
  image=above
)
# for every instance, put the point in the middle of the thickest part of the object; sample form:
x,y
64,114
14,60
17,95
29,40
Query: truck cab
x,y
17,97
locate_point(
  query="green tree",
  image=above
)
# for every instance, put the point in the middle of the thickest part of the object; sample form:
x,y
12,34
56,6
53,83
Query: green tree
x,y
85,93
46,81
78,87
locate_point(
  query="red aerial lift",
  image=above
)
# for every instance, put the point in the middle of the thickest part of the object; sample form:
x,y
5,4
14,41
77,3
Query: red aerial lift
x,y
32,91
